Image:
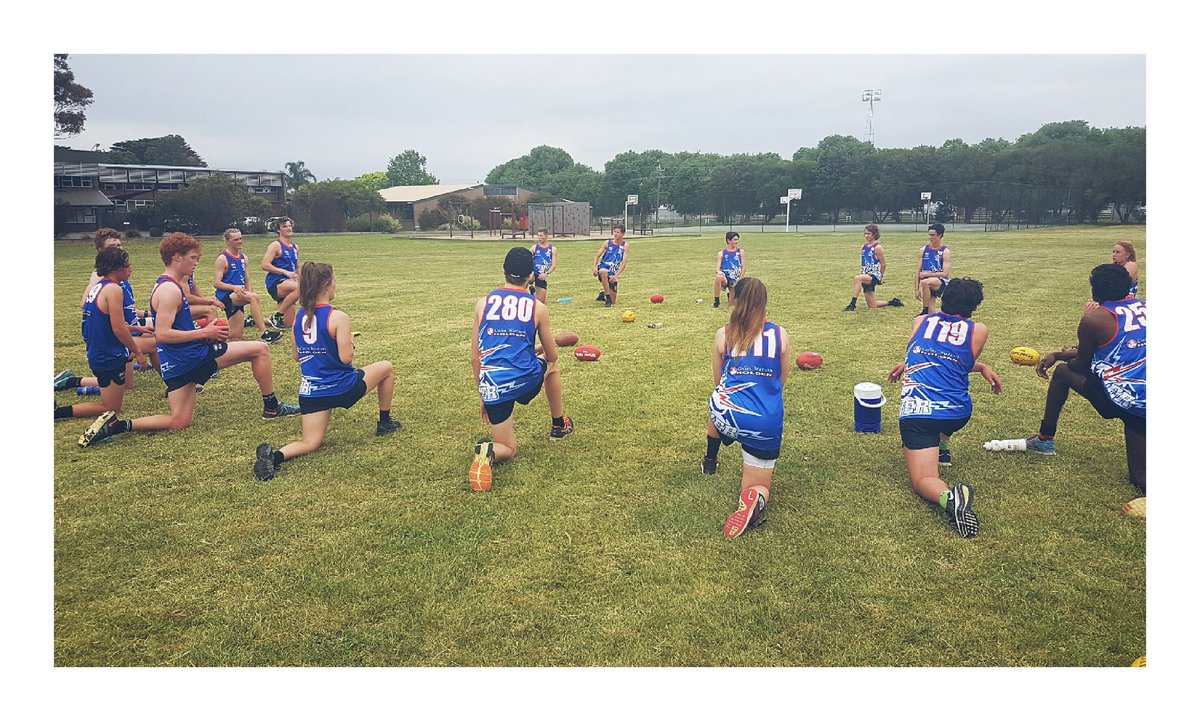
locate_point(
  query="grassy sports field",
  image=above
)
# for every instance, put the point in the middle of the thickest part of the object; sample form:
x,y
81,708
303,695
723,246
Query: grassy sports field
x,y
604,549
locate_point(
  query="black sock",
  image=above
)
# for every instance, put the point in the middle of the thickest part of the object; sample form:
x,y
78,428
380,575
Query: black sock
x,y
558,422
74,382
120,427
277,458
385,416
853,302
270,402
714,445
64,412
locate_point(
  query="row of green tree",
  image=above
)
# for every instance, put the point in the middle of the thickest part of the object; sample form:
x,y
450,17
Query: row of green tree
x,y
1062,167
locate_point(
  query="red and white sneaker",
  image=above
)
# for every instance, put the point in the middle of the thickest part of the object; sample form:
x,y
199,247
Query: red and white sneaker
x,y
748,515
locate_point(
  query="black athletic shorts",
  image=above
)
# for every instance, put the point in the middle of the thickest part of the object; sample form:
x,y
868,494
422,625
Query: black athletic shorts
x,y
870,287
230,309
201,372
1098,397
758,453
501,412
538,284
345,400
113,374
271,292
920,433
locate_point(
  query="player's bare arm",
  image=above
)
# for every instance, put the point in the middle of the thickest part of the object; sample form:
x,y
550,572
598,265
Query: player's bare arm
x,y
339,328
785,348
112,302
549,348
718,355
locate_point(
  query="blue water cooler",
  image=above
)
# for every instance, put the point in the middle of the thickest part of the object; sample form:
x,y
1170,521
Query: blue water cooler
x,y
868,405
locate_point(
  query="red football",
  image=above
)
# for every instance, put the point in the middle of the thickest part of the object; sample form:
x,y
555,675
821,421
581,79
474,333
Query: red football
x,y
220,321
587,353
566,338
656,298
808,360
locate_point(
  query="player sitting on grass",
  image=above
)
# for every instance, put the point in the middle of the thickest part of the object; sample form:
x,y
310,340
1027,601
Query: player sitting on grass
x,y
609,265
731,265
324,348
66,380
545,260
190,355
1108,368
749,369
936,401
873,266
508,324
111,348
232,284
933,272
281,261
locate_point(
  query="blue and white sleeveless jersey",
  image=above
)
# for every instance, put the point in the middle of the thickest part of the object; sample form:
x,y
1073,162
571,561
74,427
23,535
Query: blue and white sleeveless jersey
x,y
747,404
507,333
870,263
289,259
322,372
103,348
128,308
235,274
937,369
731,265
1133,290
175,359
1121,363
613,256
931,260
543,258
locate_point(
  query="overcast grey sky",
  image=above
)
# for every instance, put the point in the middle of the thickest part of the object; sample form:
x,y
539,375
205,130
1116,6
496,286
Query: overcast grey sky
x,y
345,115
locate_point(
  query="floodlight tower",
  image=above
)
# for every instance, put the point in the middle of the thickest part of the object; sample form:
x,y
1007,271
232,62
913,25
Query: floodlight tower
x,y
870,97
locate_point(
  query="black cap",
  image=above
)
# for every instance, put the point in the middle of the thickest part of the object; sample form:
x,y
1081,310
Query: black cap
x,y
518,263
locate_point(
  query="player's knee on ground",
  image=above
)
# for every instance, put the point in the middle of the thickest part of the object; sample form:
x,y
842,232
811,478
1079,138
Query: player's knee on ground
x,y
179,423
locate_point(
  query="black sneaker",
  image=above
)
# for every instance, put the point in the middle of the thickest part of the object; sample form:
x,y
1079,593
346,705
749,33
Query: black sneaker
x,y
895,303
608,301
944,458
264,462
101,429
748,515
384,428
850,308
62,379
717,303
601,297
958,510
281,410
276,321
249,320
709,466
270,336
567,429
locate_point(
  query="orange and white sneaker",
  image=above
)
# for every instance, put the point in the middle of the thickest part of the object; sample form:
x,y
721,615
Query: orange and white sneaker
x,y
748,515
480,474
1135,508
567,429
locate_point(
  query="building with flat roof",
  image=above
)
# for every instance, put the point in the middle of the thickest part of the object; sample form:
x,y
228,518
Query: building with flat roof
x,y
406,202
108,194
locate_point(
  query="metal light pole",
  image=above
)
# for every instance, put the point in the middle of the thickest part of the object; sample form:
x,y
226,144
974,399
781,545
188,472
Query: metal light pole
x,y
869,97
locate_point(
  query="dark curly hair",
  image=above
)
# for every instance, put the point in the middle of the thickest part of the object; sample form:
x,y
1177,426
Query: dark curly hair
x,y
1109,282
110,260
962,296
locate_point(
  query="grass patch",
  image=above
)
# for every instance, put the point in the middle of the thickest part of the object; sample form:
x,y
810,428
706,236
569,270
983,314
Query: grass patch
x,y
604,549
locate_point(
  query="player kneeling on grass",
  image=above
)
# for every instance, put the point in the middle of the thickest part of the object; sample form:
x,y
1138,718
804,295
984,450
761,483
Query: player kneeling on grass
x,y
731,265
936,401
189,355
747,405
232,285
1108,368
111,347
545,260
609,265
873,265
508,369
324,348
